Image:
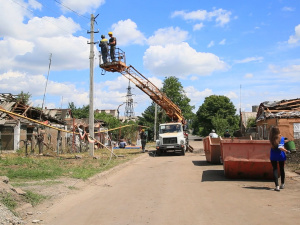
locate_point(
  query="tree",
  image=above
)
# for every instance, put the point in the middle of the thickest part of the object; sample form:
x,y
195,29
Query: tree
x,y
24,98
251,122
79,113
217,112
173,89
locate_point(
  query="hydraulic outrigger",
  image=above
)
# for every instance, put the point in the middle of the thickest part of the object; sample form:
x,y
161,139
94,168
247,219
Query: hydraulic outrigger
x,y
171,109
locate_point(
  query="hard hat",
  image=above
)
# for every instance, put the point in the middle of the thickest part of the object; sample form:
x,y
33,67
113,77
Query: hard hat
x,y
110,33
213,131
102,36
143,130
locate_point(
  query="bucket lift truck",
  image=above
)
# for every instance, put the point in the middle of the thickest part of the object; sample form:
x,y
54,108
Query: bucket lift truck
x,y
172,136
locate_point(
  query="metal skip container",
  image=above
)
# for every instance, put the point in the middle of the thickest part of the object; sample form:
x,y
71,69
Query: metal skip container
x,y
246,158
212,149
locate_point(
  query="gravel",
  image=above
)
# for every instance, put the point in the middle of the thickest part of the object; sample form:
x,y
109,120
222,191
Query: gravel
x,y
7,217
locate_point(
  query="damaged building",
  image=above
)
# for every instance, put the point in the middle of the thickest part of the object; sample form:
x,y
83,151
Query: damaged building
x,y
56,130
285,114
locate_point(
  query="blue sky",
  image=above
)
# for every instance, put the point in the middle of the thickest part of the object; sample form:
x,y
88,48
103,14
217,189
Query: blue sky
x,y
245,50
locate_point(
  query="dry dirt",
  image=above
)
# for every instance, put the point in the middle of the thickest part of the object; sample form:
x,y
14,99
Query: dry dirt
x,y
171,189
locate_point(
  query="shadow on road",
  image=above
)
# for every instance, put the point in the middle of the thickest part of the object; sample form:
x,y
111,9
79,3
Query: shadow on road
x,y
218,175
213,175
260,188
153,154
203,163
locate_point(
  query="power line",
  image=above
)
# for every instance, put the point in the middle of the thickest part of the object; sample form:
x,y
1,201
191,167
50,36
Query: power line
x,y
46,18
72,10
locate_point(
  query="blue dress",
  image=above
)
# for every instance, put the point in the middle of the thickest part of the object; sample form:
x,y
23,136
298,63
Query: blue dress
x,y
276,154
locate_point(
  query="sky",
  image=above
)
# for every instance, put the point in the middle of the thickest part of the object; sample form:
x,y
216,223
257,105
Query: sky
x,y
248,51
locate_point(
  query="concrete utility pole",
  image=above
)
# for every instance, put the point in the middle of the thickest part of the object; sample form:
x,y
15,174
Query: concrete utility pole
x,y
155,118
91,109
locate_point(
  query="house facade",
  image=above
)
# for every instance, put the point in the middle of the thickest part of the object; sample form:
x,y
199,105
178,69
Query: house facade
x,y
285,114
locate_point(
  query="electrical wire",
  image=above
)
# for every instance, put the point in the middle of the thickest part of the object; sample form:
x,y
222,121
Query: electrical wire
x,y
45,17
72,10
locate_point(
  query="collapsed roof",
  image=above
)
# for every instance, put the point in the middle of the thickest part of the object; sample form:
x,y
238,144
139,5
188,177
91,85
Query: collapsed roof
x,y
10,103
279,109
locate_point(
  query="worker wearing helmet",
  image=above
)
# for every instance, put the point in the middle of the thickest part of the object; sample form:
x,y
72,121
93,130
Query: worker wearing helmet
x,y
143,135
104,48
112,43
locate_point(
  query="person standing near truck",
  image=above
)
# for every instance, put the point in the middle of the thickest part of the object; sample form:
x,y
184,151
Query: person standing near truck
x,y
143,139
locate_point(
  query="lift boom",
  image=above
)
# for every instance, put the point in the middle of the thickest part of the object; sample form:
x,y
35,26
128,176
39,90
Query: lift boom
x,y
171,109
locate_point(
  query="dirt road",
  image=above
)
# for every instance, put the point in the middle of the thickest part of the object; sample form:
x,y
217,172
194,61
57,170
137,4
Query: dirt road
x,y
177,190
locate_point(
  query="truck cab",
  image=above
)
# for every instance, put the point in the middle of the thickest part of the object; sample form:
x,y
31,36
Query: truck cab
x,y
172,138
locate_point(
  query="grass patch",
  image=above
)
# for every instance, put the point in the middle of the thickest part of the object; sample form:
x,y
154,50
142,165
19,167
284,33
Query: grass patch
x,y
36,168
8,200
73,188
34,198
41,183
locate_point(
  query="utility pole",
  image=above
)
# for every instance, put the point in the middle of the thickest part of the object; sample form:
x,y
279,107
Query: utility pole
x,y
91,108
46,85
155,118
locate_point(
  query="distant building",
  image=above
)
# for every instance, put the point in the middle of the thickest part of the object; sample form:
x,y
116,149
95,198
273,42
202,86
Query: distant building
x,y
112,112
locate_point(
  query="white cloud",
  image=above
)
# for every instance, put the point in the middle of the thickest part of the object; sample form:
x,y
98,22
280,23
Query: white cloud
x,y
223,42
249,59
181,60
211,44
296,37
231,95
26,46
291,70
198,26
82,7
127,33
197,97
220,16
35,4
288,9
249,75
168,35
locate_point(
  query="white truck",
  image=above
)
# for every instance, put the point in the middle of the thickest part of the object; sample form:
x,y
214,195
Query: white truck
x,y
172,138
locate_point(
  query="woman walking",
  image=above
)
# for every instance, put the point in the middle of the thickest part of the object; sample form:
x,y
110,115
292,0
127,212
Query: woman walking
x,y
277,156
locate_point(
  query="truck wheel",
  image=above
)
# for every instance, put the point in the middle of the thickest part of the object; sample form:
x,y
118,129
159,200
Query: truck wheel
x,y
183,152
158,152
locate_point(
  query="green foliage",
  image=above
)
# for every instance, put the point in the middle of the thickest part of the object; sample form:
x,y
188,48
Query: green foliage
x,y
79,113
8,200
217,112
147,119
24,98
173,90
251,122
34,198
29,168
20,169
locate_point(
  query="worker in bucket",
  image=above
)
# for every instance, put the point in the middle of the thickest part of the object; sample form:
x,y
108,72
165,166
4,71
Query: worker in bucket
x,y
104,48
143,139
277,156
112,43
